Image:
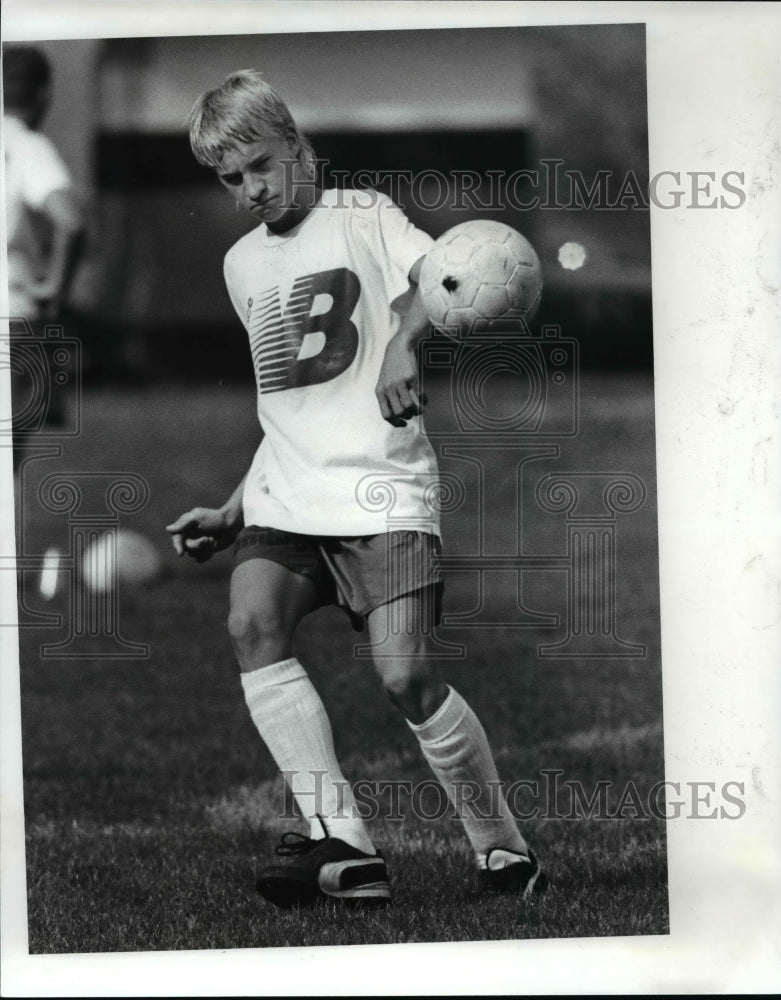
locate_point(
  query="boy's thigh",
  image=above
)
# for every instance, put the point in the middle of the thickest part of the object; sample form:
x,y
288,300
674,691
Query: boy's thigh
x,y
394,578
402,628
274,581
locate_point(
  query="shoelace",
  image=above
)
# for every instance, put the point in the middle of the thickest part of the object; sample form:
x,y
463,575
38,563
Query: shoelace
x,y
293,842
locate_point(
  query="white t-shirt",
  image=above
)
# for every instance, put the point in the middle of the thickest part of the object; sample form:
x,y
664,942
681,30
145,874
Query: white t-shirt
x,y
316,303
33,171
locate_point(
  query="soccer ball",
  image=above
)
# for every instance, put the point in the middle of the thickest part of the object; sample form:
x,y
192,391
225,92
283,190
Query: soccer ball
x,y
120,558
480,275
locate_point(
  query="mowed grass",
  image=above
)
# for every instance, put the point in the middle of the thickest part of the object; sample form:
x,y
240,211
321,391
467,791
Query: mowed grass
x,y
150,802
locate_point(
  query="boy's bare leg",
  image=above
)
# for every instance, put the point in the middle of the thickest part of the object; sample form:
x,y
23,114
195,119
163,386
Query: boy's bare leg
x,y
267,603
400,632
450,735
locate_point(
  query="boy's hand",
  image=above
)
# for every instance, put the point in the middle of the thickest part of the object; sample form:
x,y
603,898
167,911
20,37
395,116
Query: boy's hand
x,y
201,532
397,388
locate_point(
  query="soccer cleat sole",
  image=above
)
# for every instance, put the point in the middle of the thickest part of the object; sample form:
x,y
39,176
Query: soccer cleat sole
x,y
288,893
330,869
378,892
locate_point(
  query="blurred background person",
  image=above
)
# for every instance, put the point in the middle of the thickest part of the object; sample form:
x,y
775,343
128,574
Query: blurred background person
x,y
44,218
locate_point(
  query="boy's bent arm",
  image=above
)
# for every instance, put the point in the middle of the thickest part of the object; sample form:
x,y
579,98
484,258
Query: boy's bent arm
x,y
398,385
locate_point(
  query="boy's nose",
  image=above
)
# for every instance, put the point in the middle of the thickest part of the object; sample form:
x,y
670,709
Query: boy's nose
x,y
255,189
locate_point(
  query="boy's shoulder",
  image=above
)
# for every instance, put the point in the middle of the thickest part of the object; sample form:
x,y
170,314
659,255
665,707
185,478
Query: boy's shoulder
x,y
247,243
367,212
362,201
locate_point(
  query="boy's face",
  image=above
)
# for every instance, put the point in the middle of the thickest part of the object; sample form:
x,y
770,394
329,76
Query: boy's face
x,y
258,180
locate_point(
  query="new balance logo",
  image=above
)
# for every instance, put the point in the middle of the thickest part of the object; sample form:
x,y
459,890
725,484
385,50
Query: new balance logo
x,y
312,339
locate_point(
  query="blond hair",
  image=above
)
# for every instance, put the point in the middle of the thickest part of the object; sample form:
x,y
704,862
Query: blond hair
x,y
244,108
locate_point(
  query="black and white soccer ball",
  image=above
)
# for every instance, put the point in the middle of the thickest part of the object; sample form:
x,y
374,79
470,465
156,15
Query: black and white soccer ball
x,y
480,275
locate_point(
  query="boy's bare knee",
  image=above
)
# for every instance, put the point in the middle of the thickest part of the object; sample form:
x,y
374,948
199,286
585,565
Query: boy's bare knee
x,y
255,633
399,683
240,626
415,690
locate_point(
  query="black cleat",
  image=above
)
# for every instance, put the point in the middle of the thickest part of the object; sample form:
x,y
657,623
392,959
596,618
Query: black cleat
x,y
323,869
511,872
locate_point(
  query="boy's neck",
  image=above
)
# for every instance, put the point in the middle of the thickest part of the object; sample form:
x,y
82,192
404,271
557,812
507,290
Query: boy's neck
x,y
306,198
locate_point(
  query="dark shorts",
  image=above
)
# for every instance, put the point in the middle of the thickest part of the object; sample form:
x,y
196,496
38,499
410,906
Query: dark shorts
x,y
358,573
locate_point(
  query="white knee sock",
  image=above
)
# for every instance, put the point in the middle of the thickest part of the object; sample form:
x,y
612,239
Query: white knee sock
x,y
454,743
292,721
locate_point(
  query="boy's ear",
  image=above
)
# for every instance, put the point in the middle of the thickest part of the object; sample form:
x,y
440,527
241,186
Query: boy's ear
x,y
292,142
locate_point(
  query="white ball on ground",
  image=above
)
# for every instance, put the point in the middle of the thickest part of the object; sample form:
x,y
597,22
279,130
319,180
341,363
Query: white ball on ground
x,y
120,559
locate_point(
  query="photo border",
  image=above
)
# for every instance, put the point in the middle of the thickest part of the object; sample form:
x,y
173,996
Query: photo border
x,y
712,97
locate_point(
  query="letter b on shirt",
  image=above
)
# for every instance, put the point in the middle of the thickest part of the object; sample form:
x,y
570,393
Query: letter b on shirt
x,y
312,340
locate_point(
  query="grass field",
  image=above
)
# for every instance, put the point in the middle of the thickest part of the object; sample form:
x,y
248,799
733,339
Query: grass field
x,y
150,802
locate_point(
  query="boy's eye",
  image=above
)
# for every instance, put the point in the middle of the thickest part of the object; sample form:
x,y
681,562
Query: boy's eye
x,y
232,179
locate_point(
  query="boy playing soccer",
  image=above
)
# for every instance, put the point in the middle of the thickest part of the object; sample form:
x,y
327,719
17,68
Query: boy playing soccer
x,y
338,402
